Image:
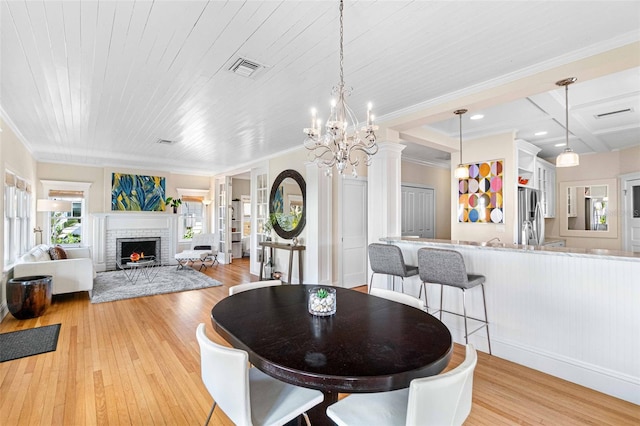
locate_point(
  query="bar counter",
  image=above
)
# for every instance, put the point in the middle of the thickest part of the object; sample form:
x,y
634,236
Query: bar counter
x,y
562,251
572,313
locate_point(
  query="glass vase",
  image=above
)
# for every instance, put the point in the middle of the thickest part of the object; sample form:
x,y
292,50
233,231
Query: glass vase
x,y
322,301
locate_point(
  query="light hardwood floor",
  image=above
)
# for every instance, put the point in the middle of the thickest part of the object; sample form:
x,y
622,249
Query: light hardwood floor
x,y
137,362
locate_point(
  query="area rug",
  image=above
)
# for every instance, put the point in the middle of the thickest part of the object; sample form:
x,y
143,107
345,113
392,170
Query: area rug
x,y
113,285
34,341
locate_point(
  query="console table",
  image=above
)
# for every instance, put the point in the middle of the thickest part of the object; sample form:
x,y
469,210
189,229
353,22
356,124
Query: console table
x,y
280,246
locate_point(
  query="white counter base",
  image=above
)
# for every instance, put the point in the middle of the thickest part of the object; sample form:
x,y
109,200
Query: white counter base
x,y
574,317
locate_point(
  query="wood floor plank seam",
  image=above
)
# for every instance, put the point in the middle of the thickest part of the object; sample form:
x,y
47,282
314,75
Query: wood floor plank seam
x,y
137,361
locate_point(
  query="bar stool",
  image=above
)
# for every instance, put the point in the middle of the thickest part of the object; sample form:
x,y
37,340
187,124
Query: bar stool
x,y
446,267
387,259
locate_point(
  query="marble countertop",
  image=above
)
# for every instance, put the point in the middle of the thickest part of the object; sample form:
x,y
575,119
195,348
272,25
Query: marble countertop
x,y
562,251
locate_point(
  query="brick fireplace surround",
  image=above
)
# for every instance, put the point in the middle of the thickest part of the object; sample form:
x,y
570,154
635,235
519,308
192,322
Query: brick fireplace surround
x,y
108,227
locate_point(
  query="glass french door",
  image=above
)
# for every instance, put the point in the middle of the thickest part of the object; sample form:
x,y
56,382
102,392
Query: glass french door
x,y
223,193
260,202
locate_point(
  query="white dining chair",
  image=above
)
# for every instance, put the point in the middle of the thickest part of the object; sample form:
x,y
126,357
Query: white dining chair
x,y
407,299
247,395
440,400
250,286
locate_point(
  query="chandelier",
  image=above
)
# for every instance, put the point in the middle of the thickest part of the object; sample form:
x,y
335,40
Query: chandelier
x,y
337,146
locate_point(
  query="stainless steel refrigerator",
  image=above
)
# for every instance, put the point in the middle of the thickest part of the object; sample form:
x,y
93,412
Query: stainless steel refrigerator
x,y
530,217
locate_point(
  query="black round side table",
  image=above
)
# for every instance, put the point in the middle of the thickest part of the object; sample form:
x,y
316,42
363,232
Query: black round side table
x,y
29,297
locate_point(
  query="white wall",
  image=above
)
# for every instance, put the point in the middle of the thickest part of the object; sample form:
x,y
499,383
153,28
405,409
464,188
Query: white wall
x,y
495,147
15,158
603,165
294,160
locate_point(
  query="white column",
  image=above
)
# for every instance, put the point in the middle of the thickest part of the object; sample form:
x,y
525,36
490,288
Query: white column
x,y
384,196
98,248
384,199
318,241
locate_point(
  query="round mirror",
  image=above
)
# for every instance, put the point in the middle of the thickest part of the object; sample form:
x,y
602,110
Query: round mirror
x,y
287,204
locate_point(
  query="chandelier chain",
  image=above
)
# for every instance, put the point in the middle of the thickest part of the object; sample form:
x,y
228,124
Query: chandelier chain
x,y
341,44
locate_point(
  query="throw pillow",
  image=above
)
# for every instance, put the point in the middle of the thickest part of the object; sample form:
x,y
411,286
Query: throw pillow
x,y
57,253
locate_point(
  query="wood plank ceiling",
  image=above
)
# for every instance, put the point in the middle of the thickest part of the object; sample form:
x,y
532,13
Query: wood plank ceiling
x,y
99,82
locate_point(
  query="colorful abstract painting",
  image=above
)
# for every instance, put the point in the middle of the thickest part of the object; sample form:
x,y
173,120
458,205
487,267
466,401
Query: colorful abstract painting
x,y
480,196
137,192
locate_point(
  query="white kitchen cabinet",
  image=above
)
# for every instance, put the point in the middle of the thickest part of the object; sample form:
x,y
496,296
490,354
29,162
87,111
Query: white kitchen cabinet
x,y
554,243
546,183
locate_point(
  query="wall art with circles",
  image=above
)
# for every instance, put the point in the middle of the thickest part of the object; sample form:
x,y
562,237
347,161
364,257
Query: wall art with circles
x,y
480,196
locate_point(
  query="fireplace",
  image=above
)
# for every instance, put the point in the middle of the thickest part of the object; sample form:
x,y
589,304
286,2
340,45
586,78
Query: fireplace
x,y
110,227
147,245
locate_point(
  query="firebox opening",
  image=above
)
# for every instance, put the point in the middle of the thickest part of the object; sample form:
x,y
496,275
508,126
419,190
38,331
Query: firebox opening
x,y
126,246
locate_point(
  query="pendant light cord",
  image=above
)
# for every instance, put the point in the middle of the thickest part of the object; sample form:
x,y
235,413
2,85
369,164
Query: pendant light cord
x,y
460,115
566,114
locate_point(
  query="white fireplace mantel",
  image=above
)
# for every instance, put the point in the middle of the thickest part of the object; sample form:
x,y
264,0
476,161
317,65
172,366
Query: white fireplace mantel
x,y
107,227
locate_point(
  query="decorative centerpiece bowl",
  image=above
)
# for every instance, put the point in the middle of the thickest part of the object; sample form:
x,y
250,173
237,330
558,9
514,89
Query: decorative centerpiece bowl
x,y
322,301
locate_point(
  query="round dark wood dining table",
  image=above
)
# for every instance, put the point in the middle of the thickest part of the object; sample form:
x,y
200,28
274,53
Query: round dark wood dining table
x,y
369,345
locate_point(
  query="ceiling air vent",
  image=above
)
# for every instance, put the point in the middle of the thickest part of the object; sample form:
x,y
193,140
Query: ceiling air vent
x,y
610,113
165,142
244,67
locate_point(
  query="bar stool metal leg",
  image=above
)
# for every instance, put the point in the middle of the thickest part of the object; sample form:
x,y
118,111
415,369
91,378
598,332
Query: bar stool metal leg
x,y
441,297
486,318
426,301
464,312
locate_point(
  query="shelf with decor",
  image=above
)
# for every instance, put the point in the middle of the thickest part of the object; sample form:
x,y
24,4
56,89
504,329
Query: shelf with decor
x,y
236,229
526,163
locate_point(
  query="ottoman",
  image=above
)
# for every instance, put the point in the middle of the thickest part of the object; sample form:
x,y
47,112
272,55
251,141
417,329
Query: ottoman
x,y
188,257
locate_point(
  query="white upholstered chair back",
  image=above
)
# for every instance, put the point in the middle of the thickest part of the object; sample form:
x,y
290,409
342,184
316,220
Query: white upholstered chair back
x,y
250,286
226,377
407,299
444,399
205,240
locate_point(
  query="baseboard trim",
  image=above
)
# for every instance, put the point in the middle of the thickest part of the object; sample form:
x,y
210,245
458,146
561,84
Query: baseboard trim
x,y
4,311
610,382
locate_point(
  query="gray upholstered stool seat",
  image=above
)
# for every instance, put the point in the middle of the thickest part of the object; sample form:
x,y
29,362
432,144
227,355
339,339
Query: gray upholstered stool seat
x,y
446,267
387,259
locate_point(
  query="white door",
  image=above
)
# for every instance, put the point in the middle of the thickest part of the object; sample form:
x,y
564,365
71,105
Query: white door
x,y
352,262
418,211
632,215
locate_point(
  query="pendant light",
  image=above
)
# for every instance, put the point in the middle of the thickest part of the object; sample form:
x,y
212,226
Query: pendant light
x,y
567,158
462,172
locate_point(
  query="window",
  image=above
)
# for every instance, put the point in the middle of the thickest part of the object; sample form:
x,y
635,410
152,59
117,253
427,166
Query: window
x,y
65,205
191,217
66,226
17,208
